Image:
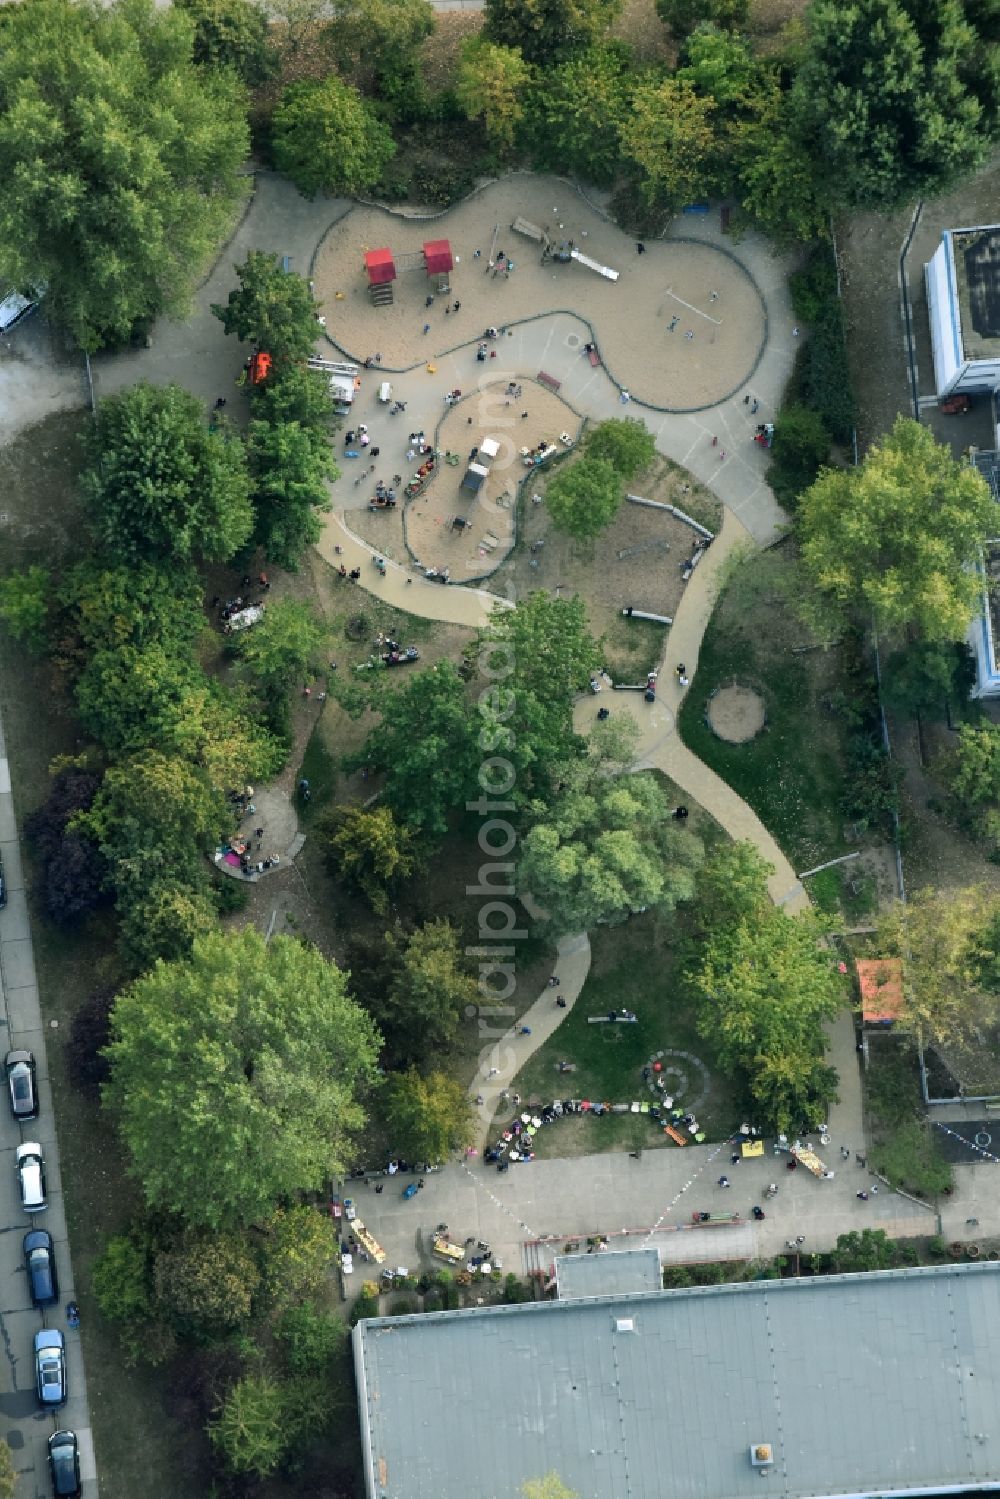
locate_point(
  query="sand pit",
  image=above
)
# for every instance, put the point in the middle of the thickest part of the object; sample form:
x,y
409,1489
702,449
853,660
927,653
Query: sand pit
x,y
477,547
681,328
736,713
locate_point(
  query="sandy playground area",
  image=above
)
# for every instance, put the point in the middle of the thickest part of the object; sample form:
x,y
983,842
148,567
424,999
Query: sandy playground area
x,y
681,328
736,713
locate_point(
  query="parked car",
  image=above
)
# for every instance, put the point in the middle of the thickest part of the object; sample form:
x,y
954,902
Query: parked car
x,y
64,1464
346,1262
40,1263
3,889
50,1367
21,1089
30,1167
14,308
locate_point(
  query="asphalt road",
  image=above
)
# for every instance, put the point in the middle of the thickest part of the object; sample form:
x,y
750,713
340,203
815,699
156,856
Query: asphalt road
x,y
22,1423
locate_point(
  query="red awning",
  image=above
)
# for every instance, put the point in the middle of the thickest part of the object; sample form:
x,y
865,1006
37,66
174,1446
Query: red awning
x,y
438,257
380,267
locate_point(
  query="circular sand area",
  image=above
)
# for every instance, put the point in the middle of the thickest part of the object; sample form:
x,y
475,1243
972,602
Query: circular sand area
x,y
736,714
681,328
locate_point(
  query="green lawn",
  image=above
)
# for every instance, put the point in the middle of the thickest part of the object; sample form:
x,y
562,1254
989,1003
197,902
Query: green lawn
x,y
791,774
634,967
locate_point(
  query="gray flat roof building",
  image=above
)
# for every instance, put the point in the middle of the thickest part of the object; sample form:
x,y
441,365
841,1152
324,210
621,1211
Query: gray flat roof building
x,y
614,1272
851,1385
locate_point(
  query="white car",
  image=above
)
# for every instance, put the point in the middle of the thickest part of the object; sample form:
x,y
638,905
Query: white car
x,y
14,308
347,1263
30,1167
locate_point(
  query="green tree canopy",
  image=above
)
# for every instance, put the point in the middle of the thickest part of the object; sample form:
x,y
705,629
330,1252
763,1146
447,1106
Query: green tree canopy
x,y
670,137
605,848
119,159
295,394
871,1249
427,1117
272,308
289,465
24,606
235,1076
896,537
949,945
574,113
154,817
8,1472
584,497
627,445
928,676
232,34
779,185
683,16
426,745
548,32
887,96
160,485
430,992
250,1429
285,646
534,659
375,41
204,1282
971,773
800,448
491,85
327,139
163,920
371,852
731,886
295,1249
765,986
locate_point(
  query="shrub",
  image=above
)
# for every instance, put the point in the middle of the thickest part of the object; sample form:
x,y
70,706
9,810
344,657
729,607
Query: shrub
x,y
90,1032
365,1306
311,1338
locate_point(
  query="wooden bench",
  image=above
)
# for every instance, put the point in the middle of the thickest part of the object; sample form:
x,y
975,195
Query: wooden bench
x,y
675,1134
549,380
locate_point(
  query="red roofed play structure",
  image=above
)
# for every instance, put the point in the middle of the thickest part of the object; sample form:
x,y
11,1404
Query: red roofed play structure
x,y
382,268
881,983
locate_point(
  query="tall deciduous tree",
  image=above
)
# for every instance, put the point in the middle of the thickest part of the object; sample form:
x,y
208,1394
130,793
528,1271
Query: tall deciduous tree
x,y
766,986
426,746
289,465
160,485
575,113
534,660
119,160
232,34
682,16
491,85
377,42
235,1076
284,646
670,137
372,852
627,445
584,498
430,992
272,308
327,139
428,1117
548,32
606,848
949,944
895,538
884,97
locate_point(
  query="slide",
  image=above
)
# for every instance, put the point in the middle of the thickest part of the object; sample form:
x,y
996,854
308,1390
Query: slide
x,y
594,265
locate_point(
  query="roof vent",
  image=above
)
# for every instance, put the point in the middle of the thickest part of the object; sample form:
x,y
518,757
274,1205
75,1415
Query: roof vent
x,y
761,1454
625,1324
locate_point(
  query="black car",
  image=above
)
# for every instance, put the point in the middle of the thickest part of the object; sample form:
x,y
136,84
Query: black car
x,y
3,889
40,1263
20,1069
64,1464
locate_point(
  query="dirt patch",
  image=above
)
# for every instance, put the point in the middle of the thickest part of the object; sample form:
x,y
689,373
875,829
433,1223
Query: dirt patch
x,y
636,561
681,327
736,714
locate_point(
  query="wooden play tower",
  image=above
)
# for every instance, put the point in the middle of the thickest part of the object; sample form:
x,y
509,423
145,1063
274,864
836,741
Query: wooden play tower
x,y
382,268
